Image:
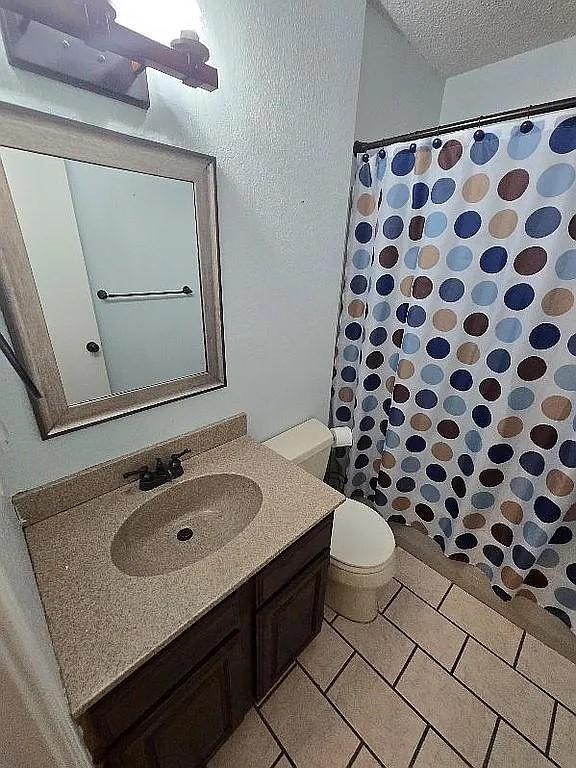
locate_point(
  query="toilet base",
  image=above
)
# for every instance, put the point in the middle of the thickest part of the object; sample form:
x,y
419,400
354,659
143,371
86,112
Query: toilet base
x,y
354,595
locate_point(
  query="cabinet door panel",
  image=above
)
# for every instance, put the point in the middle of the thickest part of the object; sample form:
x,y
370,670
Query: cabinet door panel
x,y
289,621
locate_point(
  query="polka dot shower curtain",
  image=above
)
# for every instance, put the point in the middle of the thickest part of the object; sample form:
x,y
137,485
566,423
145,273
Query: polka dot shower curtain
x,y
456,355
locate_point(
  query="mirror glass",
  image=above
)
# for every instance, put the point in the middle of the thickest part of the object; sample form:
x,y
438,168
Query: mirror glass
x,y
114,255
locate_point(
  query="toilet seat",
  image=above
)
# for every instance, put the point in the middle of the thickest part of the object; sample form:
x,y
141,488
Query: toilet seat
x,y
362,541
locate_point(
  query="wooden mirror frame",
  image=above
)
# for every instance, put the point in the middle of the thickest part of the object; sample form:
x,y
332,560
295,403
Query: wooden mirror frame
x,y
35,131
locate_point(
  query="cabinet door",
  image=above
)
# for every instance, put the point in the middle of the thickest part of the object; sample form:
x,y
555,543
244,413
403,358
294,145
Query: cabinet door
x,y
192,722
289,621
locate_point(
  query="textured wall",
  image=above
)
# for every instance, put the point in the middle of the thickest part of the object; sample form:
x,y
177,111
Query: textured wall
x,y
281,127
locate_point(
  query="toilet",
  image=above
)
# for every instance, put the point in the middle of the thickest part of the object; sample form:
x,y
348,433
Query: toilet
x,y
363,549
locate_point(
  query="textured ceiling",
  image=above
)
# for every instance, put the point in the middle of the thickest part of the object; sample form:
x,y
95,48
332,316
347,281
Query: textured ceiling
x,y
458,35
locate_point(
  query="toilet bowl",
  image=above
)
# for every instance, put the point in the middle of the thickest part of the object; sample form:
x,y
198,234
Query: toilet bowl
x,y
362,552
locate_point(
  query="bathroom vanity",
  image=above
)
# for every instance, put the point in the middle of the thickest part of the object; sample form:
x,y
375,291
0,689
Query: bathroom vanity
x,y
165,640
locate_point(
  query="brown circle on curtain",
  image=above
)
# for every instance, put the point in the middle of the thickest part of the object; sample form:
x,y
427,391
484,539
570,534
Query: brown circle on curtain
x,y
397,337
510,577
419,526
513,184
400,503
570,515
422,287
356,308
474,521
390,381
476,324
416,227
449,155
527,595
491,477
388,256
512,511
559,483
510,426
448,429
530,260
420,422
572,227
556,407
388,460
374,360
490,389
557,302
544,436
468,353
536,579
442,451
502,533
400,393
531,368
346,395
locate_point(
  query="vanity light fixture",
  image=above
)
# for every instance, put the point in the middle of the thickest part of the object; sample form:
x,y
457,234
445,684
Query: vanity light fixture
x,y
81,43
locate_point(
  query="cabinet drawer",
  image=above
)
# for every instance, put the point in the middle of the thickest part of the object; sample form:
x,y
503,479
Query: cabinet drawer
x,y
288,564
103,723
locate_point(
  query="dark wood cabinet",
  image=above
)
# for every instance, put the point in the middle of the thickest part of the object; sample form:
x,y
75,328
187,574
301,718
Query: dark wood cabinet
x,y
180,706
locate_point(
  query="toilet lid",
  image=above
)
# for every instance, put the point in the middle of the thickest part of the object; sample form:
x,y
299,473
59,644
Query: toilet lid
x,y
360,537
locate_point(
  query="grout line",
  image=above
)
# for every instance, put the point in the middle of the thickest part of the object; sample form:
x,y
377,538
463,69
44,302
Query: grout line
x,y
283,751
276,685
337,675
350,762
275,763
419,746
391,600
445,596
408,660
491,744
552,725
519,651
459,656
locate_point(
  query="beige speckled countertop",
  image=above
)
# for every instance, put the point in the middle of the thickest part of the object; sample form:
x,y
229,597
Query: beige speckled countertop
x,y
104,624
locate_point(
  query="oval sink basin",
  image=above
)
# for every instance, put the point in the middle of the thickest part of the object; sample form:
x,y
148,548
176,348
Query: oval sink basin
x,y
185,524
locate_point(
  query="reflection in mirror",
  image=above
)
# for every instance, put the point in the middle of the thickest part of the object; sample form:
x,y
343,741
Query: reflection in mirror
x,y
93,230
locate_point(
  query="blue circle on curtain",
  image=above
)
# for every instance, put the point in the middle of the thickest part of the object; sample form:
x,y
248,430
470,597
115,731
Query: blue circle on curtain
x,y
381,311
566,266
481,152
378,336
402,312
494,259
532,462
473,441
522,488
451,289
459,258
543,222
520,398
403,162
372,382
430,492
361,259
467,224
482,500
392,227
351,353
406,484
481,415
442,190
411,257
436,223
567,453
410,464
544,336
454,405
416,316
425,398
393,361
533,534
367,423
432,374
392,439
381,446
522,145
358,284
438,348
365,175
500,453
369,403
353,331
343,413
419,195
563,137
381,164
398,195
519,296
508,330
452,507
498,360
571,344
436,472
461,380
415,444
358,479
396,417
385,285
466,464
410,343
348,374
546,510
565,377
363,232
556,180
484,293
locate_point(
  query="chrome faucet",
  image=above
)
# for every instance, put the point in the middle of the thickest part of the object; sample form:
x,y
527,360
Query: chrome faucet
x,y
162,473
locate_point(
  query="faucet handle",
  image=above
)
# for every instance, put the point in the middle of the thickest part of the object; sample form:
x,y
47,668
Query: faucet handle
x,y
136,472
175,456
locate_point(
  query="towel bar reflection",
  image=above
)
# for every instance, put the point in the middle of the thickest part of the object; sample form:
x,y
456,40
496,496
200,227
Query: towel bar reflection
x,y
102,294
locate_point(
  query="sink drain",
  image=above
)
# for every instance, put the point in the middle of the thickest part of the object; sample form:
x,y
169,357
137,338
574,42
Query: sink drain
x,y
184,534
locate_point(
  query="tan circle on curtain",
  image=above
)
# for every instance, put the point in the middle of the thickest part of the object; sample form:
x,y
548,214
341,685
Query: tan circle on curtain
x,y
510,577
356,308
346,394
503,223
557,302
475,188
512,511
474,521
388,460
510,426
419,526
421,422
428,256
390,383
406,286
423,160
468,353
366,204
444,319
376,465
405,369
442,451
559,483
527,595
400,503
570,515
556,407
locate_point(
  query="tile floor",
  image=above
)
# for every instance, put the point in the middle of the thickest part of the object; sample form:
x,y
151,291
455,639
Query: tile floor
x,y
437,680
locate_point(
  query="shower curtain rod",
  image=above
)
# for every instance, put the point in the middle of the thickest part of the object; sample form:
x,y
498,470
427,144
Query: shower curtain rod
x,y
511,114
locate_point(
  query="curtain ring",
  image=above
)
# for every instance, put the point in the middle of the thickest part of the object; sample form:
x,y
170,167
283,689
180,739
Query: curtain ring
x,y
413,148
526,126
479,134
437,143
365,157
382,154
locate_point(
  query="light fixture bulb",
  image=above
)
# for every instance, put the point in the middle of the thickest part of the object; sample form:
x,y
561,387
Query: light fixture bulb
x,y
161,21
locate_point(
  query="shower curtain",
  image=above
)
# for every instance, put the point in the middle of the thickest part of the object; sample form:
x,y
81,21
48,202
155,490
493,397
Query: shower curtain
x,y
456,352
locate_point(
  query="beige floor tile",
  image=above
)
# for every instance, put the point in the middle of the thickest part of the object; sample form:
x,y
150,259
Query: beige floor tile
x,y
282,763
435,753
480,621
309,728
325,656
387,593
563,746
456,713
510,750
329,613
365,760
511,695
426,582
385,647
386,723
250,746
549,670
426,627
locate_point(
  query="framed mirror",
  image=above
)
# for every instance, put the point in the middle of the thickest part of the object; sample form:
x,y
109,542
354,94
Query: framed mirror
x,y
109,272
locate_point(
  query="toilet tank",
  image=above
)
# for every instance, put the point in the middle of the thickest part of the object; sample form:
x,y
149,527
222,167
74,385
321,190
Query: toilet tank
x,y
307,444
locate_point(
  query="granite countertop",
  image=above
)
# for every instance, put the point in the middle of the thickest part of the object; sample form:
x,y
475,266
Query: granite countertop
x,y
104,624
